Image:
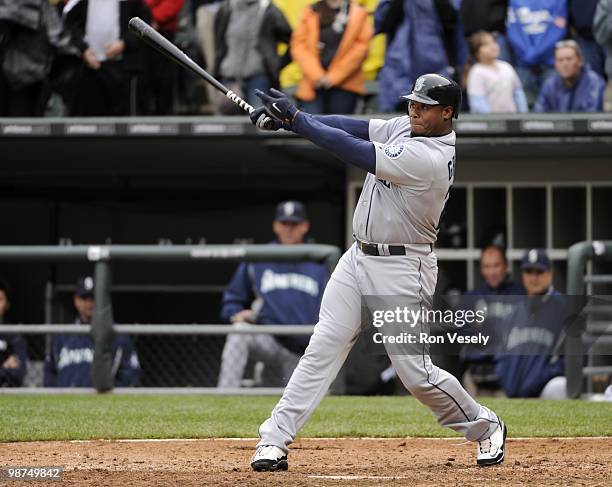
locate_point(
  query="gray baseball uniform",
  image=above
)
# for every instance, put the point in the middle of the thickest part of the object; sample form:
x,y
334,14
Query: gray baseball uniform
x,y
402,204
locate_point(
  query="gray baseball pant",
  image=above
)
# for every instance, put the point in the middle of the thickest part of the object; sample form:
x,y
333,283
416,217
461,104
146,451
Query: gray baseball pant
x,y
358,275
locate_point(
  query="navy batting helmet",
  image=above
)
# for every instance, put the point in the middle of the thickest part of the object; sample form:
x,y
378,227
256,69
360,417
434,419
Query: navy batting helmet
x,y
434,89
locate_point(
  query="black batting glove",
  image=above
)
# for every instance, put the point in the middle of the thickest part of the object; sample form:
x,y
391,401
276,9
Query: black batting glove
x,y
278,105
264,121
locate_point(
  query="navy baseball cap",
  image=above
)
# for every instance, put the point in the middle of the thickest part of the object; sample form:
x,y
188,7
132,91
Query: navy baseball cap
x,y
85,287
290,211
536,259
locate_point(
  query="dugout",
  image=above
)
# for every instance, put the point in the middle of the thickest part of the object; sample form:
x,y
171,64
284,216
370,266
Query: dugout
x,y
539,180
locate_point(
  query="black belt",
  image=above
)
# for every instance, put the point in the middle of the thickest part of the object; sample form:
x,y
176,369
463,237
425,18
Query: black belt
x,y
373,249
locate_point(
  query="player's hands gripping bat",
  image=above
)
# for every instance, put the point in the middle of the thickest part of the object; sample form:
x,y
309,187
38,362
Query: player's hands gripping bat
x,y
263,120
149,35
278,105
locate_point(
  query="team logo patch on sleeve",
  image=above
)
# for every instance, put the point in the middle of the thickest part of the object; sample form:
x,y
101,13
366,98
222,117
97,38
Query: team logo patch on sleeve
x,y
394,151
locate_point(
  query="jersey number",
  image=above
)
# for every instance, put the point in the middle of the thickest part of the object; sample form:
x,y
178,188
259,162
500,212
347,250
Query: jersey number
x,y
451,168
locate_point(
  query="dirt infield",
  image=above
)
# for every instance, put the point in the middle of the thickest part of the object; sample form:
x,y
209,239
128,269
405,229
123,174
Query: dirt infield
x,y
316,462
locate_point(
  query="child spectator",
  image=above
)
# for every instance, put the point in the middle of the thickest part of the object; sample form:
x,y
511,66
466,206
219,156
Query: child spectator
x,y
533,29
492,84
575,87
330,45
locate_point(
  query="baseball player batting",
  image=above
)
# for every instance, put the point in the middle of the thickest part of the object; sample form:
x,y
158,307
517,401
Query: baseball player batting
x,y
410,162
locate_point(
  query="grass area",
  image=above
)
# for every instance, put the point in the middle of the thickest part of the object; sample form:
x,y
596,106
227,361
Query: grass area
x,y
69,417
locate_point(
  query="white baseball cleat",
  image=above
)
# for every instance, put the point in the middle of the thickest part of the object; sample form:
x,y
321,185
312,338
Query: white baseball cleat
x,y
269,458
491,450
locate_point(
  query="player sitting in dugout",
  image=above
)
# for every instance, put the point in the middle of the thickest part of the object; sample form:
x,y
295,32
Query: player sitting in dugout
x,y
499,294
272,293
13,348
69,357
529,364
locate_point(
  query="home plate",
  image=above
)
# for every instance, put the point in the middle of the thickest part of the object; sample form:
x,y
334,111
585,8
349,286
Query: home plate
x,y
354,477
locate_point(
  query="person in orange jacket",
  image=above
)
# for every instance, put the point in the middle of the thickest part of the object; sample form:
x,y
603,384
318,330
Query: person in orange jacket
x,y
330,45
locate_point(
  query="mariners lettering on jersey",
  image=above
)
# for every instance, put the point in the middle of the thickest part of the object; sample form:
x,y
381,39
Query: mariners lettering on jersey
x,y
494,309
271,281
532,335
77,356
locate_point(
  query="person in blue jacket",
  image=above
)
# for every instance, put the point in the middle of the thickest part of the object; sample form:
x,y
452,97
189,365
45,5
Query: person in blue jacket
x,y
529,364
581,18
423,36
272,293
575,87
13,349
69,357
533,29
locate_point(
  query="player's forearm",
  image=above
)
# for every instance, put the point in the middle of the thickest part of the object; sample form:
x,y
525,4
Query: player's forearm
x,y
357,128
349,148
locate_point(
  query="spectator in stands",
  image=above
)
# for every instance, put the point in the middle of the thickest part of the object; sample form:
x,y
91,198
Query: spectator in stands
x,y
602,28
272,293
533,29
69,357
581,16
575,87
492,295
13,349
330,45
111,55
492,84
490,16
204,13
31,33
247,34
422,37
156,86
529,364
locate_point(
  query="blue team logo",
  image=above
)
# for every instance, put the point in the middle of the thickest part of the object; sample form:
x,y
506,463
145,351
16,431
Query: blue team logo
x,y
394,151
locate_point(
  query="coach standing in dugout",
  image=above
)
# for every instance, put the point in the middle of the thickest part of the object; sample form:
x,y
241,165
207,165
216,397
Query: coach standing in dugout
x,y
272,293
69,357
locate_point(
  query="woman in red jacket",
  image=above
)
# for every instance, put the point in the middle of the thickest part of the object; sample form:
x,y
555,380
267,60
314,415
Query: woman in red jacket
x,y
330,45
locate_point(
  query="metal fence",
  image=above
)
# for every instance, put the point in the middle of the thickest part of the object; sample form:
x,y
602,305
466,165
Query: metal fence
x,y
192,352
588,343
